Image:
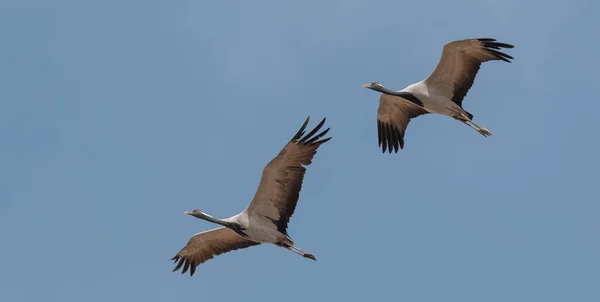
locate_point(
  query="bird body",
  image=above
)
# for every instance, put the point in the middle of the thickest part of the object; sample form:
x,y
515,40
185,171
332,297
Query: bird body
x,y
432,102
256,228
265,220
442,92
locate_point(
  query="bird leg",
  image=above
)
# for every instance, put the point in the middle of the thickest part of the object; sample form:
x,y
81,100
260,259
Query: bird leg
x,y
481,130
485,132
300,252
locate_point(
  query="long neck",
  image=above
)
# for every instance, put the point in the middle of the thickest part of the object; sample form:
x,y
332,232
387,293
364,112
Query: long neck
x,y
228,223
214,220
407,95
388,91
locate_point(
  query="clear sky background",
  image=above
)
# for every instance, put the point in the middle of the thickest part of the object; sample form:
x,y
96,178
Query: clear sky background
x,y
118,116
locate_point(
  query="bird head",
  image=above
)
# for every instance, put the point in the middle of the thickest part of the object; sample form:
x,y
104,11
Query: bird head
x,y
374,86
196,213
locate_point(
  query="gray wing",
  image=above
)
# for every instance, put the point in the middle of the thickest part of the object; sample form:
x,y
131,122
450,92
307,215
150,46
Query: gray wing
x,y
460,62
206,245
393,116
281,181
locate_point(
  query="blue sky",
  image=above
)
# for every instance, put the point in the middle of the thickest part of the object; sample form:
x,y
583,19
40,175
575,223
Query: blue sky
x,y
118,116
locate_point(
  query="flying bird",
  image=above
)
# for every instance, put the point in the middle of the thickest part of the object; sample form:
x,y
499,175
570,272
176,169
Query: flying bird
x,y
442,92
266,219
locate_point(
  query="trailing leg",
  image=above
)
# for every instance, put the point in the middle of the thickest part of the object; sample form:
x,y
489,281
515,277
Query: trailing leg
x,y
467,121
482,130
302,253
298,251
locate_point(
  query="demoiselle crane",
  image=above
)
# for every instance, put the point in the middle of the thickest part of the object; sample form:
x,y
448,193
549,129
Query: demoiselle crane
x,y
442,92
266,219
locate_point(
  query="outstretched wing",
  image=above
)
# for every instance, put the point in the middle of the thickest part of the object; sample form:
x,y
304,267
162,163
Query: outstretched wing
x,y
393,116
281,182
460,62
206,245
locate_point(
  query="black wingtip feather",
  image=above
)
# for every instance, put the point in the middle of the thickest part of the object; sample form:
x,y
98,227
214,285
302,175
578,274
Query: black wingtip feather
x,y
389,138
494,42
185,267
503,45
497,45
323,140
301,131
310,138
179,264
311,133
385,136
493,47
316,137
395,137
379,133
500,55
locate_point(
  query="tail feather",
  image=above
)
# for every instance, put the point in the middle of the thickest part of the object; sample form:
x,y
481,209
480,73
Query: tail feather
x,y
469,114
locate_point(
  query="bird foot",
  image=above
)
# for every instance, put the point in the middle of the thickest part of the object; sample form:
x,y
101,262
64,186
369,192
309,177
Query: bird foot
x,y
484,131
309,256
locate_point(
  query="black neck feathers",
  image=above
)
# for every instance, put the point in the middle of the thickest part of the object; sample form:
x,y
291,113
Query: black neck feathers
x,y
403,94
